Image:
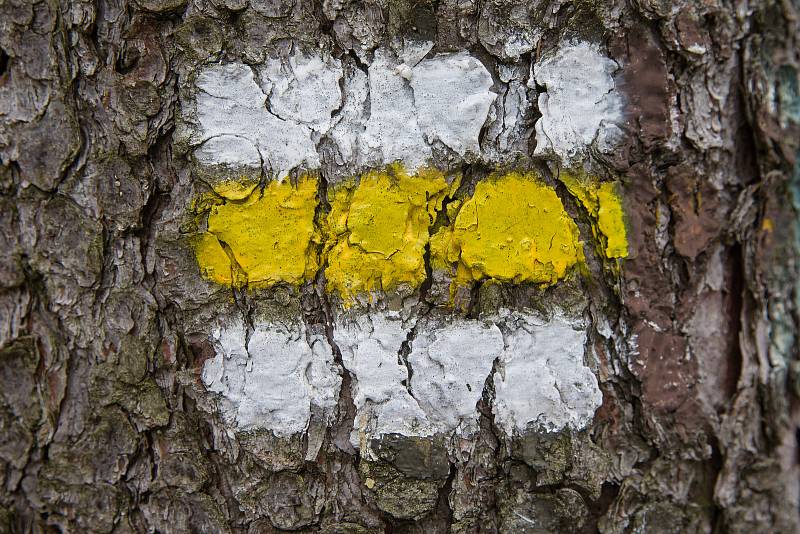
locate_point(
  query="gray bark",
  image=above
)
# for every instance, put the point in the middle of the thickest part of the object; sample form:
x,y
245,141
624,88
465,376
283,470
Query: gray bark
x,y
105,425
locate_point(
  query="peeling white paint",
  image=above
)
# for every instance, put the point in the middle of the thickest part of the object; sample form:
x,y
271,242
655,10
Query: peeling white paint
x,y
580,106
402,107
450,365
304,89
272,380
352,118
232,105
542,382
369,345
510,125
229,149
392,132
393,113
452,97
447,100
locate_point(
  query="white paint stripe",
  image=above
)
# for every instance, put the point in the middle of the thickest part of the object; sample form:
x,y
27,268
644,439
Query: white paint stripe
x,y
452,97
231,103
541,382
369,345
392,132
305,89
400,110
451,363
273,381
580,106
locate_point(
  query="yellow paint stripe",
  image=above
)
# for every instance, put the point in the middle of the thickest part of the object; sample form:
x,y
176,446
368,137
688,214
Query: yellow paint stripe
x,y
267,237
512,229
377,230
214,262
236,189
604,205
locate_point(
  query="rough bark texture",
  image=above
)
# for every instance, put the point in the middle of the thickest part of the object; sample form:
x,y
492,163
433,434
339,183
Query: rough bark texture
x,y
105,425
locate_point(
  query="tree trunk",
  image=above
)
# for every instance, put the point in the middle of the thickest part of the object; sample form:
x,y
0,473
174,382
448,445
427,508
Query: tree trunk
x,y
395,266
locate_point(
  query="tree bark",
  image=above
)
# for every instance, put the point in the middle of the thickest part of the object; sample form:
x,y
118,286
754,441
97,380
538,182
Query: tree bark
x,y
107,422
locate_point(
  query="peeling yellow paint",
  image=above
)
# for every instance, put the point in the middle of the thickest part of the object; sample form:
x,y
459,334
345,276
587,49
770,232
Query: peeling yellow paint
x,y
214,262
604,204
263,237
235,189
513,229
377,230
